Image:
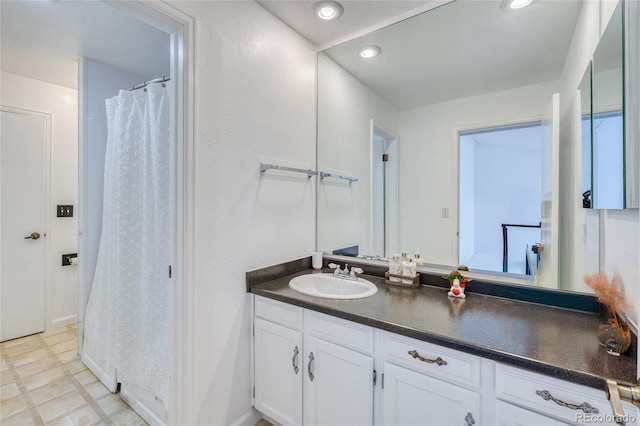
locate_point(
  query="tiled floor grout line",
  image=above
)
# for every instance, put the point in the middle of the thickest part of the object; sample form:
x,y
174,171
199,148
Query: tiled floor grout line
x,y
24,393
92,402
65,362
83,392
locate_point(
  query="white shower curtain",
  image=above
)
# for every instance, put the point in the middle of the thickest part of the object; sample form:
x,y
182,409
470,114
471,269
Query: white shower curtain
x,y
127,315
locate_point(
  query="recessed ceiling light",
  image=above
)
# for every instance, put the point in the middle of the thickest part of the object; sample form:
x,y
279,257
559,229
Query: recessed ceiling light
x,y
519,4
328,10
511,5
369,52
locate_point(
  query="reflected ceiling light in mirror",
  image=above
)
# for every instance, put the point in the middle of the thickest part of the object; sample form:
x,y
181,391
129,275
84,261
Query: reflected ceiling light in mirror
x,y
511,5
328,10
369,52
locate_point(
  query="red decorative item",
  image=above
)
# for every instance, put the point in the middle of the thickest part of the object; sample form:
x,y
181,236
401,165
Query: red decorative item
x,y
458,283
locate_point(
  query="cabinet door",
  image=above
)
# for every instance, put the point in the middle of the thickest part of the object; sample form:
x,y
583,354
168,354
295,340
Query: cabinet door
x,y
338,385
511,415
411,398
278,372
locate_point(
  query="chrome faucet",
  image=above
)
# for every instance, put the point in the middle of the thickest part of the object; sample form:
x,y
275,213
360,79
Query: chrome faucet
x,y
616,394
345,273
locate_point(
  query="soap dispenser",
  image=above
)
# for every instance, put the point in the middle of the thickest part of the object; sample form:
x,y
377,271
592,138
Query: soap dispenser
x,y
395,267
408,270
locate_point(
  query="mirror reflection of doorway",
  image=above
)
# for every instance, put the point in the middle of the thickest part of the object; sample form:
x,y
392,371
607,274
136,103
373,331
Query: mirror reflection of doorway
x,y
608,161
500,184
383,179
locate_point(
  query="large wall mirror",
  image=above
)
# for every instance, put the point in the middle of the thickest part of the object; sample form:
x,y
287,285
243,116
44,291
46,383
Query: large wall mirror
x,y
606,159
440,117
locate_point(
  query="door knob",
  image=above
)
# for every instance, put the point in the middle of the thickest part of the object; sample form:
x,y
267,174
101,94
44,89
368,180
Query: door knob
x,y
33,236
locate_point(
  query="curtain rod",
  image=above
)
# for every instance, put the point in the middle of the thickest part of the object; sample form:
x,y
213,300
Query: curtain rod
x,y
155,80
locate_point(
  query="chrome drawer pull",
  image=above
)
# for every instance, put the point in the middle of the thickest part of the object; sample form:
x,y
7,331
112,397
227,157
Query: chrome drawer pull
x,y
438,360
469,419
311,376
293,361
585,407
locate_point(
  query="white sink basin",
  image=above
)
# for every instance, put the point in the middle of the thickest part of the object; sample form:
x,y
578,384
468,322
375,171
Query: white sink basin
x,y
329,287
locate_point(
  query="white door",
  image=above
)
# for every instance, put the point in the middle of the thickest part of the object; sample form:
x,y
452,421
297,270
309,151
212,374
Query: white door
x,y
550,210
338,385
278,372
411,398
23,186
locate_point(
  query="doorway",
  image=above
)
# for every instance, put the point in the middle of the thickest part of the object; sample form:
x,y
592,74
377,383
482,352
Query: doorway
x,y
384,181
180,31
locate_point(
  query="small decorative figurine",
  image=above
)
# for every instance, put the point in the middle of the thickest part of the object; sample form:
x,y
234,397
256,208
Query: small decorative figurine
x,y
458,283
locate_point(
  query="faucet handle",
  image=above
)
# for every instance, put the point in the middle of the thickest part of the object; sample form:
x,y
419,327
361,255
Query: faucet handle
x,y
355,271
333,266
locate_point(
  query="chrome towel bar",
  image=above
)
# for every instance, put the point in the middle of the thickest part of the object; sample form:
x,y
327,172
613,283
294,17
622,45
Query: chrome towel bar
x,y
264,167
337,176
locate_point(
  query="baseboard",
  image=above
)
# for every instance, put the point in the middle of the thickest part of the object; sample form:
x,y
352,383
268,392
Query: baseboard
x,y
61,322
108,380
143,403
250,418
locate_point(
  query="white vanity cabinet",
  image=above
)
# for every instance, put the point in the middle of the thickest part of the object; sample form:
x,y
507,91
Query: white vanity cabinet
x,y
316,369
278,363
311,368
556,401
512,415
338,387
426,384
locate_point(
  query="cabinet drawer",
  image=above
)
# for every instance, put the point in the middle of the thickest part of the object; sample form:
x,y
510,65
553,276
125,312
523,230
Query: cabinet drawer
x,y
548,395
278,312
341,332
511,415
436,361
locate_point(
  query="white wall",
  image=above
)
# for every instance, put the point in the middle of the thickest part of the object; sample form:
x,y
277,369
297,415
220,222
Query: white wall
x,y
255,101
345,111
428,142
62,104
467,197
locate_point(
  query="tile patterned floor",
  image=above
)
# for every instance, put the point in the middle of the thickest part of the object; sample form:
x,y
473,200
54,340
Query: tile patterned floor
x,y
43,382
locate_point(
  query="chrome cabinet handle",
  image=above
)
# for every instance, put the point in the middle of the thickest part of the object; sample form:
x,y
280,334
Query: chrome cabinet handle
x,y
469,419
311,358
585,407
33,236
438,360
293,361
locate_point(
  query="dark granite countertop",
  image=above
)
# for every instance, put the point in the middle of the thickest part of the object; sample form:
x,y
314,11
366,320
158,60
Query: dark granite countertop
x,y
554,341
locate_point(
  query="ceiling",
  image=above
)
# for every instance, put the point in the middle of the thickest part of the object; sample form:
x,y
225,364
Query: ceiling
x,y
463,49
358,15
45,40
